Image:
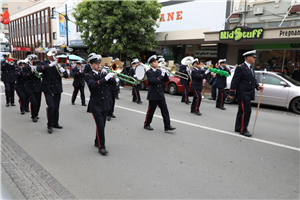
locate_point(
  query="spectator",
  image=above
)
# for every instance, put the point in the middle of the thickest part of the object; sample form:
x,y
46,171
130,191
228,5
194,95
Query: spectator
x,y
286,71
258,67
296,74
204,78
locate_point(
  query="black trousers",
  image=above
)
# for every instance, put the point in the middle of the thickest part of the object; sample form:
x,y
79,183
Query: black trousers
x,y
213,90
185,94
136,93
196,101
221,97
10,92
35,103
243,116
75,92
100,119
164,112
113,96
23,99
52,102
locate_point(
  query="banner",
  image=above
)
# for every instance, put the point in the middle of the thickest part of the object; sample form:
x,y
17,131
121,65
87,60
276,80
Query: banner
x,y
62,26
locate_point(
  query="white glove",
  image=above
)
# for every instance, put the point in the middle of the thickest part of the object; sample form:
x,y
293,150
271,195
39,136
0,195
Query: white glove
x,y
163,71
207,71
62,70
103,71
52,64
134,76
202,68
108,76
32,68
6,61
117,80
40,73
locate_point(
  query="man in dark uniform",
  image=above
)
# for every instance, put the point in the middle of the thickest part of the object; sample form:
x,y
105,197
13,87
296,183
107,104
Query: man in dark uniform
x,y
242,86
135,88
20,87
98,81
185,84
9,79
221,83
78,83
52,87
87,68
33,86
113,94
196,86
156,94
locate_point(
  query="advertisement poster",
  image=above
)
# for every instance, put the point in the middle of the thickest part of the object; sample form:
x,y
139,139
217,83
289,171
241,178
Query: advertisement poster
x,y
62,25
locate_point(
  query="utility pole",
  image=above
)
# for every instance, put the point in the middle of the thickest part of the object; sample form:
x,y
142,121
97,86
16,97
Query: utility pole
x,y
244,17
67,28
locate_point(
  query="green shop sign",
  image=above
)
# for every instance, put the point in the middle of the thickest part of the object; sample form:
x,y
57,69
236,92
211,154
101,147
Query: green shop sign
x,y
295,46
239,33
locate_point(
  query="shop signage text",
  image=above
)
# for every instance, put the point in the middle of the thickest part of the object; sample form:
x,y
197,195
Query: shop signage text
x,y
206,53
171,16
22,49
289,33
238,34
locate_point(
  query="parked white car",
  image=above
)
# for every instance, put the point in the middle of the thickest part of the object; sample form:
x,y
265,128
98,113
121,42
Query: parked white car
x,y
279,90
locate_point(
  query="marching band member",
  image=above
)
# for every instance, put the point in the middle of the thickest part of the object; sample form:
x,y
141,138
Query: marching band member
x,y
33,86
135,88
113,92
78,83
98,81
242,86
9,79
202,64
52,87
185,84
20,87
196,86
156,94
221,84
87,67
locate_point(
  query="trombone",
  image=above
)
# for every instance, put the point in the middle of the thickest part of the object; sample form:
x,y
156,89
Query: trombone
x,y
117,68
173,70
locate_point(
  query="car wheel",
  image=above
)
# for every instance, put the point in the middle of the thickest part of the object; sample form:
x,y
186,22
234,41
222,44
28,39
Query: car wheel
x,y
227,99
143,86
172,88
295,105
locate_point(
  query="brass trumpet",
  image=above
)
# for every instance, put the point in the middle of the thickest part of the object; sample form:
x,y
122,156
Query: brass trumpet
x,y
117,68
173,71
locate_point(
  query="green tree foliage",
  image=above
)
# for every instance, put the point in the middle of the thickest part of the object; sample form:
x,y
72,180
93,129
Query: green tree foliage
x,y
130,23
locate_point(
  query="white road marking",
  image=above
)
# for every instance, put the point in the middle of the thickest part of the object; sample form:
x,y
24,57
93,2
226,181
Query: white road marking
x,y
211,129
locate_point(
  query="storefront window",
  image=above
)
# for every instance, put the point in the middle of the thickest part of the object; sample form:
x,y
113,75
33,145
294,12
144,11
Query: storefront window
x,y
273,24
286,23
297,22
258,25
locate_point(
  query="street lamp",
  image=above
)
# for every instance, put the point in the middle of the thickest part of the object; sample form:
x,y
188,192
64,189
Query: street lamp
x,y
67,20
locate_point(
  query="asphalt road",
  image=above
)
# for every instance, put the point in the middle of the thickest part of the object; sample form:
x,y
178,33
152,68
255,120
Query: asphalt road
x,y
202,158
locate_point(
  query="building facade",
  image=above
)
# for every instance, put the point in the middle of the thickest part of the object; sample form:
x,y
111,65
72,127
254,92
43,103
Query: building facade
x,y
272,27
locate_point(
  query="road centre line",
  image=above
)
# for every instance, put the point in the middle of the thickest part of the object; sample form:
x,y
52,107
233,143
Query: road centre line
x,y
209,128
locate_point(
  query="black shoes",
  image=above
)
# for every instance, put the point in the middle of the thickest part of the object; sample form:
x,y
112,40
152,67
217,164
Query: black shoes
x,y
108,118
103,151
49,129
113,116
35,119
187,102
57,126
139,102
27,110
13,104
222,108
192,111
170,128
73,103
7,104
197,113
83,104
117,97
22,112
210,98
148,127
247,134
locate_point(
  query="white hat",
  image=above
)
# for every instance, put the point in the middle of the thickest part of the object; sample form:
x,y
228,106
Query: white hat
x,y
194,61
21,61
250,53
222,61
152,58
32,57
78,62
161,59
134,61
94,58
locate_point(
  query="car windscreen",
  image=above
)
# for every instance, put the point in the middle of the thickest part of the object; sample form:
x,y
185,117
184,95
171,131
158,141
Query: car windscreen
x,y
293,81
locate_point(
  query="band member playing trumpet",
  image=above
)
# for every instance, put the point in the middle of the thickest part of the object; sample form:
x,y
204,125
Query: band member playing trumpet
x,y
113,94
156,94
9,79
98,81
78,83
221,84
135,88
52,87
33,86
197,80
20,87
185,84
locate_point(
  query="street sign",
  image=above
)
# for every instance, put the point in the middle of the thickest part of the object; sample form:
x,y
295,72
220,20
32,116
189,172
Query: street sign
x,y
70,49
165,50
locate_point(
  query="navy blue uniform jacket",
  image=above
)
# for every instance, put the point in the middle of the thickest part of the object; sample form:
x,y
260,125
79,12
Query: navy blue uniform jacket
x,y
243,83
99,89
222,80
78,77
51,82
8,72
156,84
33,83
19,74
197,79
